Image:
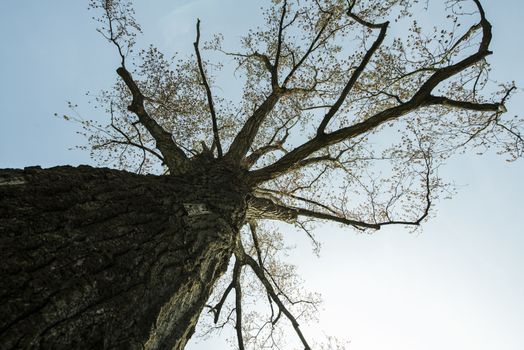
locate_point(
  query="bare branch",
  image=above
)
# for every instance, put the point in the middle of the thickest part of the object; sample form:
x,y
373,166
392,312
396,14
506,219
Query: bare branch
x,y
427,197
358,71
218,307
290,160
261,57
310,49
447,72
264,208
237,270
174,157
420,99
299,198
112,38
480,107
330,217
259,272
129,141
253,229
260,152
272,145
244,139
216,138
274,75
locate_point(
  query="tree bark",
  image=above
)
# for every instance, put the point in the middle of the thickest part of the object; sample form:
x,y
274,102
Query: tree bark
x,y
104,259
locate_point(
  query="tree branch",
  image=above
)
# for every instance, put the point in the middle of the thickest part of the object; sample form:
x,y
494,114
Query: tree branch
x,y
218,307
260,152
174,157
261,57
447,72
259,272
480,107
335,218
421,98
274,75
298,198
358,71
289,161
129,141
216,137
307,53
238,303
265,208
244,139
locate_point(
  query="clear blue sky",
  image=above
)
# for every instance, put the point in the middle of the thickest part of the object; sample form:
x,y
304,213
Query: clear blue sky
x,y
458,285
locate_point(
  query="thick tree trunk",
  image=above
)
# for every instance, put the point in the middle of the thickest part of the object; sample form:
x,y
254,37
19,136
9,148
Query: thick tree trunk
x,y
104,259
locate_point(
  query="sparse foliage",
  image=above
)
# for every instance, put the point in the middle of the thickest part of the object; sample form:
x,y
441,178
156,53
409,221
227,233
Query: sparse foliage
x,y
348,110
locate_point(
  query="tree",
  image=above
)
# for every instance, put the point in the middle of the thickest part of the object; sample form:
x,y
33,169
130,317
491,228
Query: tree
x,y
299,76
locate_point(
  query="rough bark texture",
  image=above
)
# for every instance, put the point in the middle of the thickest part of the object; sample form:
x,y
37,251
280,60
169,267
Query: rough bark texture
x,y
104,259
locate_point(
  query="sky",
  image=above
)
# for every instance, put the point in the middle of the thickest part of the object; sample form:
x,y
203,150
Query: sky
x,y
459,284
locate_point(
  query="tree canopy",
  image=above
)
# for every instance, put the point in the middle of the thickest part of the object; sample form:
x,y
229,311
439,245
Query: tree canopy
x,y
347,111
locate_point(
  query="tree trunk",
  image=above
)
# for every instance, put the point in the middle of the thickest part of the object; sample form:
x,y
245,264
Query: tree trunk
x,y
105,259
